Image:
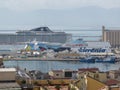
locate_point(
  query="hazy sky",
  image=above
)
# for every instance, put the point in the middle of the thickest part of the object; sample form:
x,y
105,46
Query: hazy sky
x,y
26,14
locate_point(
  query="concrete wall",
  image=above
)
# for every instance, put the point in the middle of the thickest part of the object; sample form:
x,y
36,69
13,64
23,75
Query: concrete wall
x,y
7,76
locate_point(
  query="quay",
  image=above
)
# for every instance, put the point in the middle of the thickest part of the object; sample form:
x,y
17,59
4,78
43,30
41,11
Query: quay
x,y
41,59
49,59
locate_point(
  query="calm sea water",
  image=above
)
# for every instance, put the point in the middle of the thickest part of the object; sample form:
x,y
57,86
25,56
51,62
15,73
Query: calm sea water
x,y
11,47
86,34
46,66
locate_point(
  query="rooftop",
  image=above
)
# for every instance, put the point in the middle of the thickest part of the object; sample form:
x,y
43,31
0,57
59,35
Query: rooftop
x,y
89,69
9,85
112,82
7,70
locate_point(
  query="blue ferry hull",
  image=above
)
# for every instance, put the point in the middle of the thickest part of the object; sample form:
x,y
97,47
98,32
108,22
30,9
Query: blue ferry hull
x,y
106,60
87,60
98,60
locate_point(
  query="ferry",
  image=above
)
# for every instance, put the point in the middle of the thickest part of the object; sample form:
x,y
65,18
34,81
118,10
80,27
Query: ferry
x,y
107,59
36,45
89,59
90,48
41,46
77,46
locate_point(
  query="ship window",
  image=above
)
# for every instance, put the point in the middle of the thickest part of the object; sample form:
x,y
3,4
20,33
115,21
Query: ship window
x,y
42,29
57,74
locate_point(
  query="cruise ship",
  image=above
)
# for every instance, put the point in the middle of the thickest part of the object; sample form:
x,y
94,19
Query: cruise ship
x,y
42,34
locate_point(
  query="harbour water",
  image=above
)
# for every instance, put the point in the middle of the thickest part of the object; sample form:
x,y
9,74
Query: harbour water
x,y
11,47
86,34
46,66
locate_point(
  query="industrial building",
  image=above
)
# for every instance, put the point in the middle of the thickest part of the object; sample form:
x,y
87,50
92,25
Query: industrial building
x,y
7,74
112,36
40,34
8,79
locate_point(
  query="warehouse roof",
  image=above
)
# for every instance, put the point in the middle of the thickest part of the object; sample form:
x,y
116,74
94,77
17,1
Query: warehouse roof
x,y
11,85
7,70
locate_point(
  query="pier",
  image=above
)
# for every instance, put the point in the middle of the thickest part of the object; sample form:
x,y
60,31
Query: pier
x,y
42,59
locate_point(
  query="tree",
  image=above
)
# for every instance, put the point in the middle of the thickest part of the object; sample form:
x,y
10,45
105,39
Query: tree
x,y
57,87
62,82
72,88
49,82
35,83
23,82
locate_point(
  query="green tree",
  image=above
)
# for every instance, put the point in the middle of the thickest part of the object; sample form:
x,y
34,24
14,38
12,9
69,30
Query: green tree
x,y
35,83
57,87
23,82
73,88
49,82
